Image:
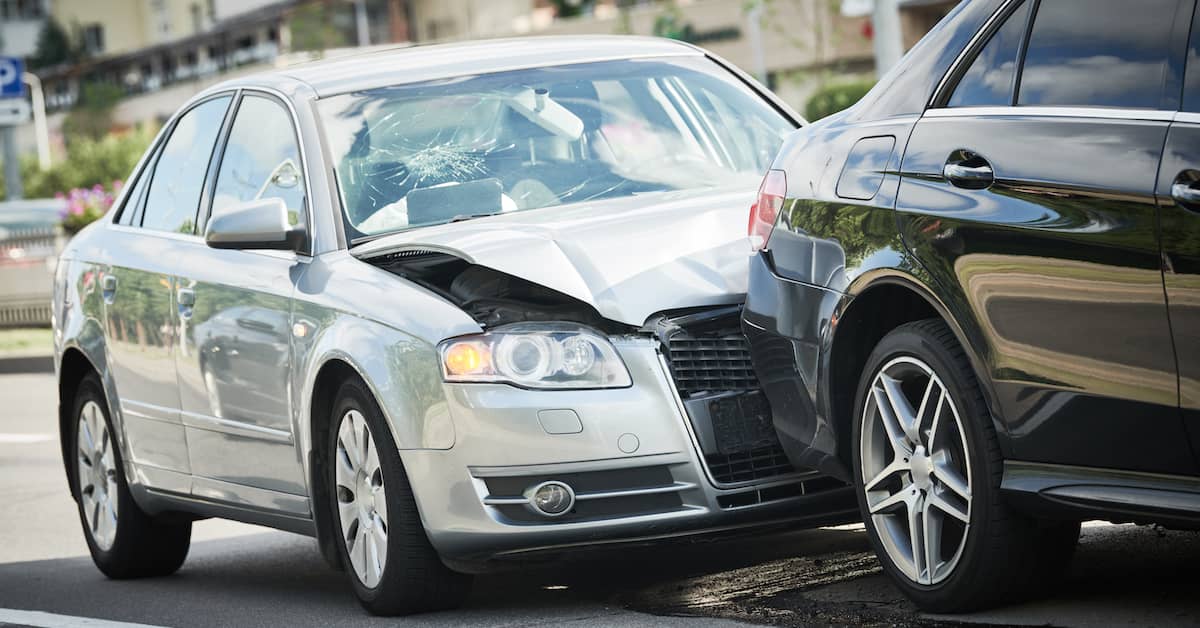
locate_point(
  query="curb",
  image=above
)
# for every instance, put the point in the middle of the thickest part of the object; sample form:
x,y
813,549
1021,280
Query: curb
x,y
22,364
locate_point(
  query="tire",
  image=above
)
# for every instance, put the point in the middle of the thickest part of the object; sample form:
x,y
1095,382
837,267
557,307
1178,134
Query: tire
x,y
411,577
128,543
984,552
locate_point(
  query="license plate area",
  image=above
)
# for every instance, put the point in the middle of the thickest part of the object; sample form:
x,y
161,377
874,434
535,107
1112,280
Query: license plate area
x,y
732,422
741,422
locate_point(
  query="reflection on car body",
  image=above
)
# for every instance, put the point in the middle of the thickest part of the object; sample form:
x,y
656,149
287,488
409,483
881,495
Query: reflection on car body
x,y
483,298
977,295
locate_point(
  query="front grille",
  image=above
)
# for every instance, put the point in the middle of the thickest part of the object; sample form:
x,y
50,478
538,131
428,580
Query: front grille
x,y
709,359
716,363
764,462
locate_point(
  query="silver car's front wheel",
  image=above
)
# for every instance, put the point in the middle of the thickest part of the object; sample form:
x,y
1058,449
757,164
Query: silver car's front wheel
x,y
361,499
916,470
391,563
97,475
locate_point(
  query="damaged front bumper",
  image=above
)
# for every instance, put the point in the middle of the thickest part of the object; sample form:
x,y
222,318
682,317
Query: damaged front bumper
x,y
641,462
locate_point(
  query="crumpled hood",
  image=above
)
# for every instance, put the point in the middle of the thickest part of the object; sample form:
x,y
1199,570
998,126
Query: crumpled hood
x,y
628,258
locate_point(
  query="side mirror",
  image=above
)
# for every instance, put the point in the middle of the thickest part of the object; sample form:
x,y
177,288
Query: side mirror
x,y
258,224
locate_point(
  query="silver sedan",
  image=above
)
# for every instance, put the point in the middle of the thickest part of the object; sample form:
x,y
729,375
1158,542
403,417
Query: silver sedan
x,y
438,308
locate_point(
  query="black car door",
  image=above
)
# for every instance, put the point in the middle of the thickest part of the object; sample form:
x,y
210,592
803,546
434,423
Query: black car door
x,y
1028,195
1179,201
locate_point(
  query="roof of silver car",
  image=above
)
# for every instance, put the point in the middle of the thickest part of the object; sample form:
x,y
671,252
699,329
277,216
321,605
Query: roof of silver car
x,y
421,63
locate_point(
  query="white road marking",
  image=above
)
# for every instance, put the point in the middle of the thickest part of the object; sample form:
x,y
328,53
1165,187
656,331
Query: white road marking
x,y
25,439
40,619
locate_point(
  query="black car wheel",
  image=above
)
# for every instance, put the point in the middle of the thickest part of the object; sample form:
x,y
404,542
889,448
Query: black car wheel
x,y
927,470
123,540
383,546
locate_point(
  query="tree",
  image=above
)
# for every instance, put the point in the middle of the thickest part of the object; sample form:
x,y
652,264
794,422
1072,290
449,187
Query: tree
x,y
92,118
831,99
572,8
313,28
53,46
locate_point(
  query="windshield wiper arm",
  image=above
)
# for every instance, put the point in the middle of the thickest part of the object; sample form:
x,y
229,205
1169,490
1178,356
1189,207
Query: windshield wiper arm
x,y
463,217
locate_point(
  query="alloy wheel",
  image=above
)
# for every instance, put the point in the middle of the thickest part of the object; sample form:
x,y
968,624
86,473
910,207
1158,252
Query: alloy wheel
x,y
97,475
362,501
916,470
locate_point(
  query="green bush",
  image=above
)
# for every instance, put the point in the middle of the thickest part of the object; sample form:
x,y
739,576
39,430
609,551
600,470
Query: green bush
x,y
833,98
89,162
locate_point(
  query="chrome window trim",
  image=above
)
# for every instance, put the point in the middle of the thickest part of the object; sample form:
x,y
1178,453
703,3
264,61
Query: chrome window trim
x,y
984,32
1099,113
1187,117
169,235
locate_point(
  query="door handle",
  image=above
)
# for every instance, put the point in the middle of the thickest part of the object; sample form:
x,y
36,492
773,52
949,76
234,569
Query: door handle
x,y
1186,190
186,298
108,287
968,170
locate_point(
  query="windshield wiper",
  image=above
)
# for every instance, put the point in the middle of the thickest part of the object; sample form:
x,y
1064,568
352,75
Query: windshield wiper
x,y
463,217
458,218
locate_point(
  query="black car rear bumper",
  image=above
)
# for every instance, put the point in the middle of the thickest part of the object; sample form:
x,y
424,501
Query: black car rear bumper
x,y
789,326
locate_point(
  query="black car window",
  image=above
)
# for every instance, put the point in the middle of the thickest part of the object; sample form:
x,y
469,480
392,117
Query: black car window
x,y
178,178
1191,87
261,159
989,79
1103,53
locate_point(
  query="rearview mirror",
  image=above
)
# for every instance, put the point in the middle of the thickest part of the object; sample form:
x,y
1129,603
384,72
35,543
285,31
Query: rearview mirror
x,y
258,224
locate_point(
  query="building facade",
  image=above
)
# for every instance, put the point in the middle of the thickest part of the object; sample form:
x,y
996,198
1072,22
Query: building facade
x,y
20,24
159,52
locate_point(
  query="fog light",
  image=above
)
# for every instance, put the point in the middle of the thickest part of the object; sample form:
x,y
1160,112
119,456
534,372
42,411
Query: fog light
x,y
552,498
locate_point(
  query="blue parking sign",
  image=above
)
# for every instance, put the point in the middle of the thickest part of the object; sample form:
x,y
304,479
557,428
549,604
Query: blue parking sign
x,y
11,85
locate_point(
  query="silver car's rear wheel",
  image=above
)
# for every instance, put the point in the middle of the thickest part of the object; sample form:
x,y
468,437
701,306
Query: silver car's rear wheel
x,y
123,540
361,499
916,470
97,475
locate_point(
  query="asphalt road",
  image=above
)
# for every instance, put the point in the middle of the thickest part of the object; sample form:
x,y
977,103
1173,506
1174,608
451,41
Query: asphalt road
x,y
241,575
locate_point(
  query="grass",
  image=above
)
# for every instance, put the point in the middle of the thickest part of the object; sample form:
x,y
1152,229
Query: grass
x,y
26,340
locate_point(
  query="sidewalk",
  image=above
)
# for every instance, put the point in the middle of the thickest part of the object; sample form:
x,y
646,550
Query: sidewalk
x,y
26,351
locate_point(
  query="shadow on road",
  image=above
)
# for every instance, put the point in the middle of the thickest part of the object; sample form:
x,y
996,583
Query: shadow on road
x,y
278,578
1123,575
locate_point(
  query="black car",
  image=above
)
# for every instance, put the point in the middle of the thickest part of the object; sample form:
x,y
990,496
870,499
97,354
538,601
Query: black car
x,y
979,294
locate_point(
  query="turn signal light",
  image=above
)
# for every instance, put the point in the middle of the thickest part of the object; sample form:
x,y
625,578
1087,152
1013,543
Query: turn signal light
x,y
766,209
466,358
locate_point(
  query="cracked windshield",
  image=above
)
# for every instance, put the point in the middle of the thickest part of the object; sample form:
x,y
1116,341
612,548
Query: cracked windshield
x,y
436,152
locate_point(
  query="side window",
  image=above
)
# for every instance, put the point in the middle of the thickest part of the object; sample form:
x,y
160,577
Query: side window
x,y
174,195
989,82
1103,53
1191,85
261,159
131,208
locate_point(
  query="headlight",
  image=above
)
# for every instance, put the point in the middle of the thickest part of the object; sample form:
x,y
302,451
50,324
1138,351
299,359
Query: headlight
x,y
543,355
